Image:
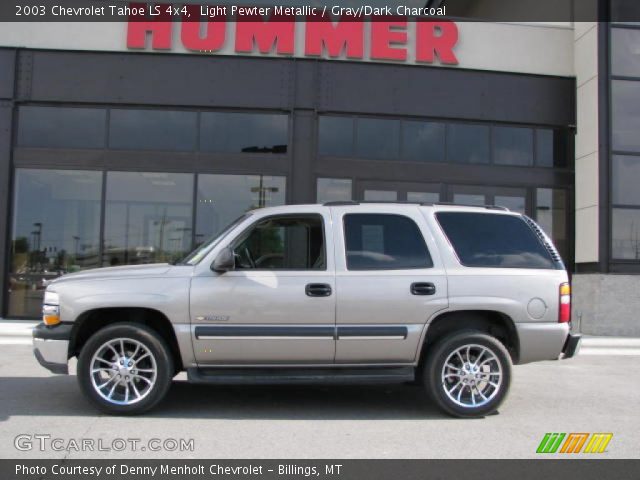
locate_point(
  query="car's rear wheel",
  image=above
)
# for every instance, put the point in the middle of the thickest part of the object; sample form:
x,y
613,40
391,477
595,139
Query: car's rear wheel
x,y
125,369
468,374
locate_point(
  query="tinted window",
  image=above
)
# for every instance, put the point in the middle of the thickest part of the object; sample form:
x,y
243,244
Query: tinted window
x,y
626,115
62,127
513,146
384,242
244,132
626,178
467,143
376,138
544,148
625,234
625,55
153,130
283,243
335,136
423,141
551,215
491,240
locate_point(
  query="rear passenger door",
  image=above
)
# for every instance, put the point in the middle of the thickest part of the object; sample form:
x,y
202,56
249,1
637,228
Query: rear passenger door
x,y
389,282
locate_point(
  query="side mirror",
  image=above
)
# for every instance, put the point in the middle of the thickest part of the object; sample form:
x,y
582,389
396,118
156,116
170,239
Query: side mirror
x,y
225,261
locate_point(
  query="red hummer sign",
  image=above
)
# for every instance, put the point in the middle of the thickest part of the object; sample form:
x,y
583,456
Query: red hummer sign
x,y
387,38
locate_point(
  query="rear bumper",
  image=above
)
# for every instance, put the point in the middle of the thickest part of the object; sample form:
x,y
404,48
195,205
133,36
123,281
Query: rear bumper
x,y
541,341
571,346
51,347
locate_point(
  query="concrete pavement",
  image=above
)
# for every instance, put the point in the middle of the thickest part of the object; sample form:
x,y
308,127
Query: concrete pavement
x,y
594,392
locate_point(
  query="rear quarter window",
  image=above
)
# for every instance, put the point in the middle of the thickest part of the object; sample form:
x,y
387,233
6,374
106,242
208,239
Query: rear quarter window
x,y
494,240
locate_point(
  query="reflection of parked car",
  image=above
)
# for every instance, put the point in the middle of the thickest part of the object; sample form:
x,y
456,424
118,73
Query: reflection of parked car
x,y
343,292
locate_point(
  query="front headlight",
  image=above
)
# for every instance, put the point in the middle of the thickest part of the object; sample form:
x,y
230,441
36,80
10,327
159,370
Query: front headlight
x,y
51,309
51,298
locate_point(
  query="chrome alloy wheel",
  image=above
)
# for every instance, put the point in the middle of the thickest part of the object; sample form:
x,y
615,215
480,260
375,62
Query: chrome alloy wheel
x,y
471,376
123,371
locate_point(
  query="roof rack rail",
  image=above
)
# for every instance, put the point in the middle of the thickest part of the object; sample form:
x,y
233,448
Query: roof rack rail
x,y
488,207
344,203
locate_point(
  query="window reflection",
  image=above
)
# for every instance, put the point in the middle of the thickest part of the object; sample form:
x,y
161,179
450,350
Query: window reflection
x,y
625,234
467,143
626,178
625,115
153,129
55,231
147,217
222,198
423,141
513,146
244,132
377,138
333,189
61,127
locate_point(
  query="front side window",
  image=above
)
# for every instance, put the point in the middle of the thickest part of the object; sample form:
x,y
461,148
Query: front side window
x,y
494,240
384,242
283,243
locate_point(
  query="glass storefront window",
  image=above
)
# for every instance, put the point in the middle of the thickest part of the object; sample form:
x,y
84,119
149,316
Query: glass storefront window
x,y
56,230
380,196
423,197
626,178
333,190
551,214
377,138
513,146
229,132
625,234
423,141
148,217
57,127
335,136
153,130
625,99
545,150
222,198
467,143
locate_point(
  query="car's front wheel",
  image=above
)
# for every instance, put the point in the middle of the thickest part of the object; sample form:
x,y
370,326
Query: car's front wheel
x,y
125,369
468,374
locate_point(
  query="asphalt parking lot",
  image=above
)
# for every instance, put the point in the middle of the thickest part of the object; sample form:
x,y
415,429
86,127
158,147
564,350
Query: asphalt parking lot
x,y
597,391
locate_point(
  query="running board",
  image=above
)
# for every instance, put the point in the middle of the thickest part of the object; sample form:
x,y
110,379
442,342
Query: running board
x,y
288,375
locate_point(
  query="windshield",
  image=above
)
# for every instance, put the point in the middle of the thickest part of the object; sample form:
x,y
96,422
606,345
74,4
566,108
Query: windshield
x,y
203,250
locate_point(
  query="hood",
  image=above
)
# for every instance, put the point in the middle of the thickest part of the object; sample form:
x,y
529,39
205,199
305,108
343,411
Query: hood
x,y
152,270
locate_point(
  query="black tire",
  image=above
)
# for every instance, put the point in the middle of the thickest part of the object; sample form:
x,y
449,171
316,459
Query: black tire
x,y
150,340
437,388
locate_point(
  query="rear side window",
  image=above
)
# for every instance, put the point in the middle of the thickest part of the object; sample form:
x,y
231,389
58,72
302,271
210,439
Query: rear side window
x,y
491,240
384,242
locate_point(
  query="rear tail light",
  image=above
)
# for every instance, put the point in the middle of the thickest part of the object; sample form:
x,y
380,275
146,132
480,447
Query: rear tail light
x,y
564,313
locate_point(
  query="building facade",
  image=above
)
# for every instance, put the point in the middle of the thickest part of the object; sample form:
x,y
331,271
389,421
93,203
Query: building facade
x,y
130,143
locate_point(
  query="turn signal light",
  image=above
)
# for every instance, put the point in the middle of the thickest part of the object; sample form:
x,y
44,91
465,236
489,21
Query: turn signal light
x,y
564,312
51,315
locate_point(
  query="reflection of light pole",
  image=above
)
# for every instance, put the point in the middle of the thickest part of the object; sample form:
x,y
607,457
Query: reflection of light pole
x,y
76,241
38,233
262,191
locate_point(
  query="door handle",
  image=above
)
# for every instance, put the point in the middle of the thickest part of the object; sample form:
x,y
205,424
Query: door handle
x,y
423,288
318,290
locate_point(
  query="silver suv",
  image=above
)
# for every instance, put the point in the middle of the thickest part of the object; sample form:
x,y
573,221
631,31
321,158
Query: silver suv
x,y
445,296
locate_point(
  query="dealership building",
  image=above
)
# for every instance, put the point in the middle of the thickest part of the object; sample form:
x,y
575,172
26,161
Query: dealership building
x,y
127,143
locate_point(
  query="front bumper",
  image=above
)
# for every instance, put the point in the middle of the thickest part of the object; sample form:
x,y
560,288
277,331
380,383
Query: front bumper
x,y
51,346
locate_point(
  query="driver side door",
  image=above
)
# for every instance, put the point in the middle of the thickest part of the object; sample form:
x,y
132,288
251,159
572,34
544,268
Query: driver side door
x,y
277,306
